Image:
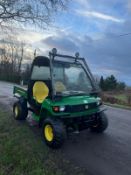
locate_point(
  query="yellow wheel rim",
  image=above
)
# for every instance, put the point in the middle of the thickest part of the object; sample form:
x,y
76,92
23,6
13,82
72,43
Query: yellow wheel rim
x,y
16,111
48,131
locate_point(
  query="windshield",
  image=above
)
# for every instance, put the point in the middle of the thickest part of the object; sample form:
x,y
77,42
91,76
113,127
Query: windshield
x,y
70,78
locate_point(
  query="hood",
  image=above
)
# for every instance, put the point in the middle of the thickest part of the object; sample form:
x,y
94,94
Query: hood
x,y
75,100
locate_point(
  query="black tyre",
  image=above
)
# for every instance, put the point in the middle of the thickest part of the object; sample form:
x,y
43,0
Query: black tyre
x,y
100,124
20,110
54,133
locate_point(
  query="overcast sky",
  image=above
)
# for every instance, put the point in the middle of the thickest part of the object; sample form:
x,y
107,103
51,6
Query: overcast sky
x,y
92,27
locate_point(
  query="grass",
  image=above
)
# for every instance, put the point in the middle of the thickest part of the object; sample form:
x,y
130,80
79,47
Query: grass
x,y
22,151
122,97
118,106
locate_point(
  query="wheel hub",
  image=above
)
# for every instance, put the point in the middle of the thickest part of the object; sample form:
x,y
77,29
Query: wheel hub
x,y
16,111
48,131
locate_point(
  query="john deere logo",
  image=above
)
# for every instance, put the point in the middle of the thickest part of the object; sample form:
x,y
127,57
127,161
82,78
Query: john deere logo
x,y
86,106
85,101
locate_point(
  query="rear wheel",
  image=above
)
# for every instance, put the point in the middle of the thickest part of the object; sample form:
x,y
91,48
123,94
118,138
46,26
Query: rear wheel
x,y
100,124
53,132
20,110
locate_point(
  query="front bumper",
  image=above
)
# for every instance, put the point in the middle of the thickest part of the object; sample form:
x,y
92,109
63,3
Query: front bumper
x,y
83,120
86,113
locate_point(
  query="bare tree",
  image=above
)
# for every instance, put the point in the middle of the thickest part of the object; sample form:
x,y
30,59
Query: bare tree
x,y
21,57
31,11
13,52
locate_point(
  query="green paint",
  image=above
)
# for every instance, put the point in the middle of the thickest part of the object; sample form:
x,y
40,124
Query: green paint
x,y
73,100
36,117
20,91
48,104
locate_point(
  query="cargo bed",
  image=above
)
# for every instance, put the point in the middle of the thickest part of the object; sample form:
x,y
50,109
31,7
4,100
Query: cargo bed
x,y
20,92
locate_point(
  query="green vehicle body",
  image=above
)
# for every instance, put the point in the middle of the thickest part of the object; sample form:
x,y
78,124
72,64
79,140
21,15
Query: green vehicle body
x,y
68,110
48,104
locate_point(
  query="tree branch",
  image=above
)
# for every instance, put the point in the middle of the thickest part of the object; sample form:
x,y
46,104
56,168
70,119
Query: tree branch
x,y
39,12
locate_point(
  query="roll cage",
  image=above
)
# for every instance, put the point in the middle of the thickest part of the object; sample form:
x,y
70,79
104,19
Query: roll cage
x,y
53,56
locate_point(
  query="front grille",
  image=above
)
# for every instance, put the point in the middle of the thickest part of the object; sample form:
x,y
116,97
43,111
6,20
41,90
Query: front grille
x,y
80,108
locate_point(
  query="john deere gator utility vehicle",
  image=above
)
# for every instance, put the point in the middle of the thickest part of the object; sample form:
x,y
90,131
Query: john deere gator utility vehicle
x,y
62,95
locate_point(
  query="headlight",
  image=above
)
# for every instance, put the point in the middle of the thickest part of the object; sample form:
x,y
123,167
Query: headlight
x,y
58,108
62,108
99,103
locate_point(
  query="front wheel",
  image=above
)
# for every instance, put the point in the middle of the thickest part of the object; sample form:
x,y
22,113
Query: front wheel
x,y
100,124
53,132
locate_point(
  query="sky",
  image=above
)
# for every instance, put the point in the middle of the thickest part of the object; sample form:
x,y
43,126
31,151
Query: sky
x,y
94,28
